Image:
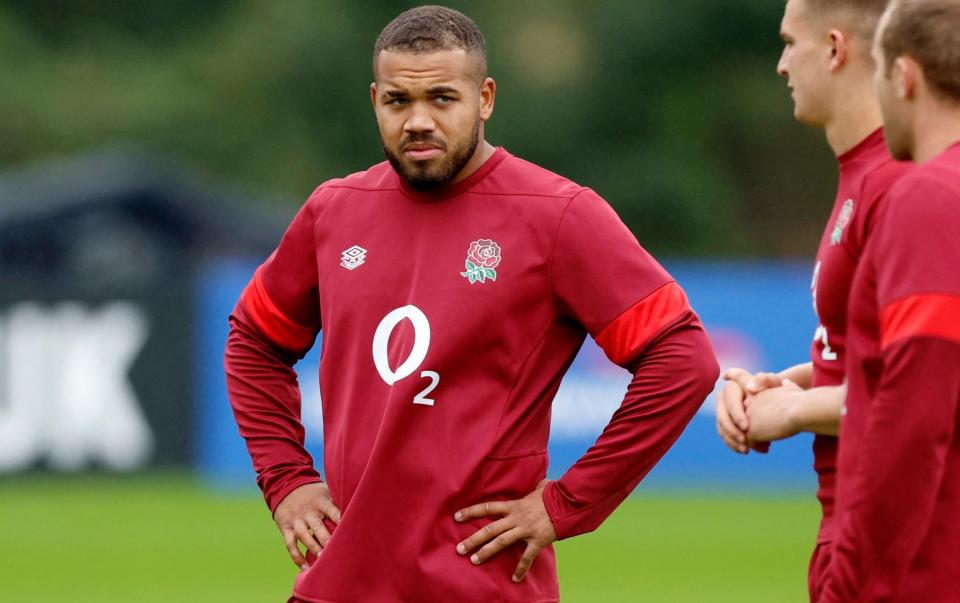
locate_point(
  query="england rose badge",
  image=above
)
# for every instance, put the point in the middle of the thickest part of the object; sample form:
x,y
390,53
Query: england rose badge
x,y
483,257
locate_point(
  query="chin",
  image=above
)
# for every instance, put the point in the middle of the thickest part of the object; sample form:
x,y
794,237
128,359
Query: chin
x,y
806,119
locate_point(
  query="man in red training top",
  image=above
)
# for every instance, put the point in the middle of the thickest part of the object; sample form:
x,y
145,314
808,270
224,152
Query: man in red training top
x,y
826,60
454,285
898,537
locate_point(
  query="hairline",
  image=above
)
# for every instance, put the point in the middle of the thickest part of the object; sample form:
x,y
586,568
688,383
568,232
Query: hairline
x,y
480,57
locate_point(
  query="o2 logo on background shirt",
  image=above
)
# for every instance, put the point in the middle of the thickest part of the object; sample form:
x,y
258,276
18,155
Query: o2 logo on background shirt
x,y
421,343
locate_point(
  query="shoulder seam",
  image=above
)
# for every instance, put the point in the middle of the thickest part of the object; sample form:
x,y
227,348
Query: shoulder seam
x,y
553,250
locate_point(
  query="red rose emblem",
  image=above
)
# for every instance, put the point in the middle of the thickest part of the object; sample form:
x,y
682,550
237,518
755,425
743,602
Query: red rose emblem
x,y
484,253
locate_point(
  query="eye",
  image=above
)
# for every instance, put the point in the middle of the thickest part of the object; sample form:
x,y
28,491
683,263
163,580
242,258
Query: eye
x,y
396,102
443,100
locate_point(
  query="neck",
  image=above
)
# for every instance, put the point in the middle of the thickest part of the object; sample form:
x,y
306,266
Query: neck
x,y
856,116
936,128
484,151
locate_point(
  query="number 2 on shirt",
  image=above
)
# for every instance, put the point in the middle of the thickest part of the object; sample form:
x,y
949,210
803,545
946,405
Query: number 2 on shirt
x,y
421,343
826,353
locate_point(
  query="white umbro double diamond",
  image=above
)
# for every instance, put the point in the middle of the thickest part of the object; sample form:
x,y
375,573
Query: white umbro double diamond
x,y
352,258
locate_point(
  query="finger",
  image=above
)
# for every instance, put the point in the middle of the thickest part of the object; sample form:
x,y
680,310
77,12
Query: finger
x,y
302,530
484,535
732,436
726,429
320,532
483,510
734,374
526,560
331,511
496,545
738,376
762,381
733,396
290,539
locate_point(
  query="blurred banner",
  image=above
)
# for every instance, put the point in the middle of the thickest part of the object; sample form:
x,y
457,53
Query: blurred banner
x,y
98,257
758,314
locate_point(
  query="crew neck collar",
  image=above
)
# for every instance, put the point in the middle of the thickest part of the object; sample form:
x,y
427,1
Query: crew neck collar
x,y
452,190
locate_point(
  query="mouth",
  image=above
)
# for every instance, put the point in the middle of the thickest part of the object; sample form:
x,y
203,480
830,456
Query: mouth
x,y
419,151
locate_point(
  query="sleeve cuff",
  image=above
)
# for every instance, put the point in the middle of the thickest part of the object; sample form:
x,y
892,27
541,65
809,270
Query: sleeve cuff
x,y
279,486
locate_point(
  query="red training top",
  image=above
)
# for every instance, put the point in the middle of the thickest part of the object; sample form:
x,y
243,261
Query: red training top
x,y
449,320
899,468
866,174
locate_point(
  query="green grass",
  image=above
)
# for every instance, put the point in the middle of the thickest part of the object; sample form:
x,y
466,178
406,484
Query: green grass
x,y
165,538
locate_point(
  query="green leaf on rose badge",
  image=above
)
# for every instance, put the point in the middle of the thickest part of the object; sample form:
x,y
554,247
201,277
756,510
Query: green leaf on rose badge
x,y
483,256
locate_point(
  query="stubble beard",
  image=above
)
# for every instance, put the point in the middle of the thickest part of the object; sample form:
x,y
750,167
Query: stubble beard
x,y
430,175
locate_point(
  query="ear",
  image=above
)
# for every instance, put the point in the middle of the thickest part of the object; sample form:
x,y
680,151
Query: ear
x,y
906,77
488,94
839,47
373,94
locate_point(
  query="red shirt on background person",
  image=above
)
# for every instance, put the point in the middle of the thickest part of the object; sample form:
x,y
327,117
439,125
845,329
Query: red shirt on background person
x,y
826,60
898,501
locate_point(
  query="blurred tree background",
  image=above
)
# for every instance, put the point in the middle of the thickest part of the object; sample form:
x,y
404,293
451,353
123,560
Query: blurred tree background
x,y
670,110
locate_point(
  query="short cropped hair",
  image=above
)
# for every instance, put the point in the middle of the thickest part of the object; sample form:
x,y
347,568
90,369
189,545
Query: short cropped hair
x,y
861,16
431,28
927,31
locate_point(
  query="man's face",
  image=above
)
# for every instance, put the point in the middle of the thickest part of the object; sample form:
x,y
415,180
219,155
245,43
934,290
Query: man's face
x,y
430,109
805,63
896,128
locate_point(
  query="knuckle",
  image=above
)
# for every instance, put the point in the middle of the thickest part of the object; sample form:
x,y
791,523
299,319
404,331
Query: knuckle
x,y
503,540
487,530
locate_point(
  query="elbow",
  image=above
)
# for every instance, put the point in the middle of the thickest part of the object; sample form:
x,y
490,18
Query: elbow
x,y
707,367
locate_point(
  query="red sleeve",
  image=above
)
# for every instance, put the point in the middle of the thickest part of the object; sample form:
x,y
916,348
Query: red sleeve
x,y
913,411
282,299
642,320
273,325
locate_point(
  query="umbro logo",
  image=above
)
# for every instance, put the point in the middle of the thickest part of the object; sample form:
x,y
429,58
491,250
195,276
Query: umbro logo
x,y
353,258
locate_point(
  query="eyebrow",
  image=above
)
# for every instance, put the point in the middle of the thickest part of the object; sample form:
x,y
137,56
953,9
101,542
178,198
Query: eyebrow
x,y
442,90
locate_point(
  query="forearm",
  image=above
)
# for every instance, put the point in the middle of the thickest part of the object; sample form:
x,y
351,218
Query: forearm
x,y
670,382
265,398
801,374
817,410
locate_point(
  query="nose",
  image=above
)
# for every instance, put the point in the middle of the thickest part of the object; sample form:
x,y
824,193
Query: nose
x,y
782,63
419,120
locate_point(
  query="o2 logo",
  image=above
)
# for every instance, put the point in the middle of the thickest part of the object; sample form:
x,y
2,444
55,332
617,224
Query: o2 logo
x,y
421,343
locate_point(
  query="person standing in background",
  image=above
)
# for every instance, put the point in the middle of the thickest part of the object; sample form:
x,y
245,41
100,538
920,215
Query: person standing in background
x,y
827,62
899,468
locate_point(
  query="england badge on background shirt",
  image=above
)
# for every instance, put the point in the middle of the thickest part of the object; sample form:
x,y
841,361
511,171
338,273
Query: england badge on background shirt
x,y
353,257
846,212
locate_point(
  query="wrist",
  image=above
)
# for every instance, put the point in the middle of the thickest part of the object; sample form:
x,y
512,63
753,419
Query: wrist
x,y
794,415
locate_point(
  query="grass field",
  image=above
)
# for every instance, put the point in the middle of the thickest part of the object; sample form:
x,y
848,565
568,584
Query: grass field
x,y
165,538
